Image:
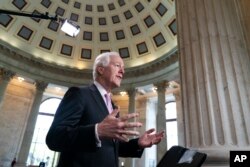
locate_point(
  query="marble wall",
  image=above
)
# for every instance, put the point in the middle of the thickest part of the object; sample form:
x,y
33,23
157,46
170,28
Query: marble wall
x,y
14,112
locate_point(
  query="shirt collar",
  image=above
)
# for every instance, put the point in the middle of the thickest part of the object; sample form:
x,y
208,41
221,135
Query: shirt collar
x,y
100,88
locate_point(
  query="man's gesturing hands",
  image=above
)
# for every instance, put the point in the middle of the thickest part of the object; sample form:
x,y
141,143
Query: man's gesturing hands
x,y
150,138
118,128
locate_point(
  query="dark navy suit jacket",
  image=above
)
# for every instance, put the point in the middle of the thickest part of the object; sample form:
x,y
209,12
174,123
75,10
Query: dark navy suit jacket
x,y
72,132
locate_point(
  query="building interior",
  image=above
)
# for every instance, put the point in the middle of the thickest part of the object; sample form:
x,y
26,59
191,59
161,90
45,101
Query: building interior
x,y
187,66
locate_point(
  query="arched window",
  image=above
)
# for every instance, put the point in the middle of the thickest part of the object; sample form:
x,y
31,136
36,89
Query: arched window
x,y
171,124
39,152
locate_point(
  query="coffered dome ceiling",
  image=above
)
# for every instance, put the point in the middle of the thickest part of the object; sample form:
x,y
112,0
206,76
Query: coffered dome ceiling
x,y
142,31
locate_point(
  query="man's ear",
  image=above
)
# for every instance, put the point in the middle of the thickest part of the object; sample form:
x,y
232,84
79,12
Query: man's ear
x,y
100,70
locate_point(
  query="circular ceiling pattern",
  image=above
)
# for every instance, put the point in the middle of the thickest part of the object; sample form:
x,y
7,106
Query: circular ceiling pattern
x,y
141,31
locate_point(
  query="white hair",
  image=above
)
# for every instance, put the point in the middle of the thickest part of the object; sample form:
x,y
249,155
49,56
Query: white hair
x,y
102,60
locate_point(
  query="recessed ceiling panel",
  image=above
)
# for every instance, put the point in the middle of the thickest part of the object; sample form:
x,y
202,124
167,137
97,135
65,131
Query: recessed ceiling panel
x,y
104,36
115,19
25,33
19,4
173,27
86,53
77,5
124,52
53,25
66,50
142,48
119,34
141,31
87,35
46,3
74,17
139,7
102,21
128,14
35,12
46,43
89,8
135,29
149,21
161,9
60,11
159,39
5,20
111,6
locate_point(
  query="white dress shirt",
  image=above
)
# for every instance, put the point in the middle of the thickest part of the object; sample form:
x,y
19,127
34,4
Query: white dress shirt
x,y
103,92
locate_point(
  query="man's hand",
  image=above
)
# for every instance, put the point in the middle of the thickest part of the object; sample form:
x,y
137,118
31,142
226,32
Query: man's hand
x,y
117,128
148,138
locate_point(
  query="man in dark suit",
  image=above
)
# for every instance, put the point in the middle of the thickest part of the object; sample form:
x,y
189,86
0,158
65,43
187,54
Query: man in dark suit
x,y
87,130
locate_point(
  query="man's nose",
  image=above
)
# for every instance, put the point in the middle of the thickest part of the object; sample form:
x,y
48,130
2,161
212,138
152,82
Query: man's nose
x,y
122,70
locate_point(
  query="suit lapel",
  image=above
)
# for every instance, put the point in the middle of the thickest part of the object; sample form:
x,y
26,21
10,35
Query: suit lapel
x,y
99,100
104,111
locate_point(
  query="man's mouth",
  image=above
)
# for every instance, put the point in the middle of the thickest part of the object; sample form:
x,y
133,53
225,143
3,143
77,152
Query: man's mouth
x,y
118,76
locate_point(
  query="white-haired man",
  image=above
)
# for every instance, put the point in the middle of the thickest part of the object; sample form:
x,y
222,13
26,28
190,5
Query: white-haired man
x,y
87,129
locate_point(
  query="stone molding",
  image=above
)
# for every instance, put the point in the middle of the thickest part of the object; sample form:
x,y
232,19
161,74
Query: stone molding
x,y
38,69
6,75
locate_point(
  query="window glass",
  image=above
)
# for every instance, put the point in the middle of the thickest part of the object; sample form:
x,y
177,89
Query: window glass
x,y
172,136
39,152
171,124
49,105
171,110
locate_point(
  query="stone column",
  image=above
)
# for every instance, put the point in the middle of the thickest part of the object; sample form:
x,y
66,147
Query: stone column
x,y
180,118
131,102
6,76
131,109
215,76
30,127
160,117
243,10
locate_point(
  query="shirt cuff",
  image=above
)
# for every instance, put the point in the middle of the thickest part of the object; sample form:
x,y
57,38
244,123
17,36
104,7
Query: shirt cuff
x,y
98,141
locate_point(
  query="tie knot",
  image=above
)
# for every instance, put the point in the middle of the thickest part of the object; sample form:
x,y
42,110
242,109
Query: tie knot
x,y
107,96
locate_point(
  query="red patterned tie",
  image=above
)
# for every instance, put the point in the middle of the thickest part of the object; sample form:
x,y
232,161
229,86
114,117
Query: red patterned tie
x,y
108,103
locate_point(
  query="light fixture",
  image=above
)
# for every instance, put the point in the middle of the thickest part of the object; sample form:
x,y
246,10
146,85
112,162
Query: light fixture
x,y
123,93
57,89
154,89
68,26
20,79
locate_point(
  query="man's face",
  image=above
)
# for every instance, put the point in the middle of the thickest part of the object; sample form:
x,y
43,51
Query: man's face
x,y
113,73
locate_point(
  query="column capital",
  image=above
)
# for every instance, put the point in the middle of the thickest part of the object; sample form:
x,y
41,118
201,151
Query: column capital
x,y
161,86
7,75
41,85
131,91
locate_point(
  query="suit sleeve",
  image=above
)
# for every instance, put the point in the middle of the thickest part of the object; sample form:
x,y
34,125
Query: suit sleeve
x,y
66,132
130,149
